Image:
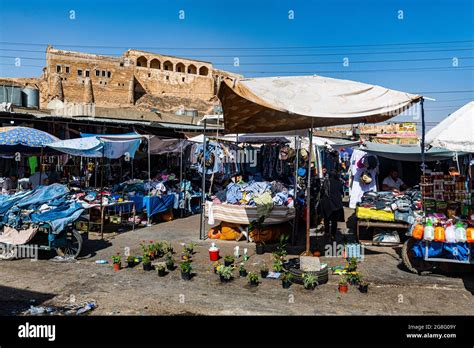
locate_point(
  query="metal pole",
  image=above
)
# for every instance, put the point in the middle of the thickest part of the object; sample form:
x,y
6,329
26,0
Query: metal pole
x,y
423,148
308,193
100,194
295,193
149,164
181,178
41,166
203,184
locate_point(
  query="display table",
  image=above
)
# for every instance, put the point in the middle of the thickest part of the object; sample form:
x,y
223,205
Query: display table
x,y
120,208
382,224
244,214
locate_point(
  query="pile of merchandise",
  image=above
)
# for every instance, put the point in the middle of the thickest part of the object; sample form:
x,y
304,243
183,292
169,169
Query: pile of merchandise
x,y
390,206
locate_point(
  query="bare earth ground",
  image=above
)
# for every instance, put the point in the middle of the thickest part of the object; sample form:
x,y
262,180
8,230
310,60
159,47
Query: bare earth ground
x,y
135,292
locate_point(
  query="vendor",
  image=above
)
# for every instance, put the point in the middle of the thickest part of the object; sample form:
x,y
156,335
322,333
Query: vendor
x,y
393,183
10,184
35,178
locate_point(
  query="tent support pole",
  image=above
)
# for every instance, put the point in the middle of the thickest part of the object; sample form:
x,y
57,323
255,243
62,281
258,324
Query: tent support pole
x,y
41,166
181,178
149,165
423,169
295,193
308,193
203,183
100,195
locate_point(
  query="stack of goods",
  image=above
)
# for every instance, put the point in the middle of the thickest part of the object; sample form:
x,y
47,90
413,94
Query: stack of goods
x,y
442,238
220,159
446,194
390,206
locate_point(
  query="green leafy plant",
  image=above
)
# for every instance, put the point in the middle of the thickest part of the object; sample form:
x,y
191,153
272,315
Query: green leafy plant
x,y
190,247
146,259
242,268
264,268
225,272
277,265
281,248
160,267
130,258
169,259
186,267
352,265
343,281
287,277
116,258
229,258
353,277
309,280
253,277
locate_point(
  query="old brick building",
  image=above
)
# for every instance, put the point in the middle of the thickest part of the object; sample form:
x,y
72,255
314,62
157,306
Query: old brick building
x,y
137,79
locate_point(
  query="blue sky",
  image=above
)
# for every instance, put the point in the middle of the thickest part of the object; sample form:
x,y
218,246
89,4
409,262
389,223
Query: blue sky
x,y
369,33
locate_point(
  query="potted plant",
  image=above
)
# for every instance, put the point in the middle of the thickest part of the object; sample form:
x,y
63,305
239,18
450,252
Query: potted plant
x,y
225,273
286,280
169,262
353,278
242,270
131,261
343,286
158,248
364,287
228,260
253,279
186,269
190,248
151,250
257,226
146,262
161,270
352,265
264,271
260,248
168,248
277,265
309,281
117,261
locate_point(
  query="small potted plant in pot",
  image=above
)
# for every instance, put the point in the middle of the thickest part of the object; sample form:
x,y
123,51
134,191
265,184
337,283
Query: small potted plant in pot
x,y
151,250
277,265
186,269
242,270
146,261
309,281
161,270
117,261
260,248
190,248
225,273
343,285
215,266
158,247
353,278
286,280
363,286
169,262
228,260
130,261
253,279
264,271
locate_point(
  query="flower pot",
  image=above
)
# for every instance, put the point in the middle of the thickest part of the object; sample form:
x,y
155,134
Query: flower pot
x,y
285,284
253,283
243,273
131,264
228,263
214,255
147,266
343,288
185,275
364,288
224,280
117,266
161,273
264,274
170,267
310,287
260,248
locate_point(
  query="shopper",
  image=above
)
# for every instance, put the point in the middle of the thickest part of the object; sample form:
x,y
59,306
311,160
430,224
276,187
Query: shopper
x,y
331,204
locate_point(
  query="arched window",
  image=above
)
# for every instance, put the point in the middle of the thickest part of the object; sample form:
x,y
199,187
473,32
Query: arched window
x,y
204,71
180,68
168,66
192,69
155,64
142,61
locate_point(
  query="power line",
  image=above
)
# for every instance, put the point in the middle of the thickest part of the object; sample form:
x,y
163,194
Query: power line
x,y
245,48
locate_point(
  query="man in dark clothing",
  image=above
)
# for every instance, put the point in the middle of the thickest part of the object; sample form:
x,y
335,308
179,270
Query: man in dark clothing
x,y
331,204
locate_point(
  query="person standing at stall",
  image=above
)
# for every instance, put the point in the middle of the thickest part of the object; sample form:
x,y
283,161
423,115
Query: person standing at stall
x,y
10,185
331,204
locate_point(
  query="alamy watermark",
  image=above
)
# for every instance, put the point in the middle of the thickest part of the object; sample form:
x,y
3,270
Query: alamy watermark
x,y
242,156
8,251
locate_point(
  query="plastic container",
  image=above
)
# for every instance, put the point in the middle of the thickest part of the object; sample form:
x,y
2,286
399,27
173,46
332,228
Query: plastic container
x,y
460,233
428,233
470,234
417,232
213,252
439,235
449,233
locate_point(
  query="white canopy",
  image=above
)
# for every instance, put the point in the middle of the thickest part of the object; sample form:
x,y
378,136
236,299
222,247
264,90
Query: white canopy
x,y
455,132
272,104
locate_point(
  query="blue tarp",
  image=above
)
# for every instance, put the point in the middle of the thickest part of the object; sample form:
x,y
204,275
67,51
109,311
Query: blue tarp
x,y
24,140
156,204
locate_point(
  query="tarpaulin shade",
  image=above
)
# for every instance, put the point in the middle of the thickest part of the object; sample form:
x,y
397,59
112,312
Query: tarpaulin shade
x,y
272,104
98,146
160,146
409,153
455,132
23,140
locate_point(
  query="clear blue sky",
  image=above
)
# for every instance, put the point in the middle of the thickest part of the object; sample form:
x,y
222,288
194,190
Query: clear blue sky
x,y
265,40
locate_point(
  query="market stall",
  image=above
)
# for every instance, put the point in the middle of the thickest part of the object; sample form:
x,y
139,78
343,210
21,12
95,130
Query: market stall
x,y
445,232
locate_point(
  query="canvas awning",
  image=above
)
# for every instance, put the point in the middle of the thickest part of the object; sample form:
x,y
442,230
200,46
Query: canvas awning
x,y
273,104
409,153
455,132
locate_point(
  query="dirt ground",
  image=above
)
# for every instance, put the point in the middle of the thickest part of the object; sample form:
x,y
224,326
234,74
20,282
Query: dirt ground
x,y
392,290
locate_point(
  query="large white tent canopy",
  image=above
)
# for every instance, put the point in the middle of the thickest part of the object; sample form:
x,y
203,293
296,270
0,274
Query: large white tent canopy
x,y
455,132
273,104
